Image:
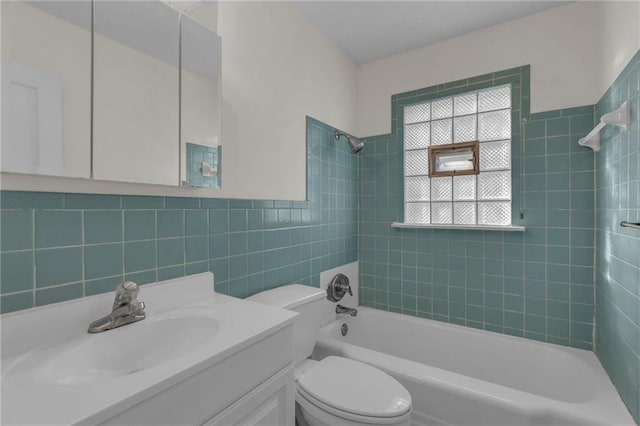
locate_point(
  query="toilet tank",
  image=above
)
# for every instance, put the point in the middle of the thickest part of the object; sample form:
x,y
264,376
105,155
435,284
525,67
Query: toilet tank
x,y
309,302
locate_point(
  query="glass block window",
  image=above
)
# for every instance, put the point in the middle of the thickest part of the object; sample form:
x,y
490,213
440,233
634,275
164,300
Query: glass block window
x,y
483,199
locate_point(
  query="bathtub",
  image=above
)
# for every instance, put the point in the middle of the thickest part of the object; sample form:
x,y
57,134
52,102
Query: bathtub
x,y
462,376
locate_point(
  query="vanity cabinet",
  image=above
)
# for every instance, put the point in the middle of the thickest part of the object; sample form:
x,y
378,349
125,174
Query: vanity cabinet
x,y
254,386
199,357
270,404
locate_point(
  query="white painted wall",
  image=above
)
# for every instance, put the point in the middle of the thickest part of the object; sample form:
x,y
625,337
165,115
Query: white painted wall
x,y
619,35
276,69
560,44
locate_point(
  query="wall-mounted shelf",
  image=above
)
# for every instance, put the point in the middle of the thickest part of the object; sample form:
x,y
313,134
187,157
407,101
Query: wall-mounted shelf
x,y
619,117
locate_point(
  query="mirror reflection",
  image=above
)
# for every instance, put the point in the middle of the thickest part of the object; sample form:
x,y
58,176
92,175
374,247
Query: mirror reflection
x,y
136,92
200,149
46,88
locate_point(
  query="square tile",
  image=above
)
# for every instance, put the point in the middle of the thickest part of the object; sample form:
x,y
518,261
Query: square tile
x,y
237,220
196,248
219,245
218,221
139,256
139,225
170,223
16,229
58,266
102,226
170,252
196,222
16,273
56,228
103,260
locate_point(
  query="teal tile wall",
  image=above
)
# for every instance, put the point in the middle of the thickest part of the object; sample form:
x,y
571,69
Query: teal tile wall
x,y
618,249
56,246
537,284
198,154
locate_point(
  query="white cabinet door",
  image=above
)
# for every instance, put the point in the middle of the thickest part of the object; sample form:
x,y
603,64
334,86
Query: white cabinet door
x,y
270,404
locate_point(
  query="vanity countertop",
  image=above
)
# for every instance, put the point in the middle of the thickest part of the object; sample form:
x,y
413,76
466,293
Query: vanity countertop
x,y
47,379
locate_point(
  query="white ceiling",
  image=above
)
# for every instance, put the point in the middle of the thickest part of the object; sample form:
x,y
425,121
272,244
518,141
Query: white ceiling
x,y
369,30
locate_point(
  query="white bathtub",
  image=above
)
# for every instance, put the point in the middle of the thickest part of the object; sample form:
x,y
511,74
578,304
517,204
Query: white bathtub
x,y
462,376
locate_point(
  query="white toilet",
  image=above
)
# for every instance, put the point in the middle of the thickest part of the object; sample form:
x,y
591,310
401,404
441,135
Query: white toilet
x,y
335,391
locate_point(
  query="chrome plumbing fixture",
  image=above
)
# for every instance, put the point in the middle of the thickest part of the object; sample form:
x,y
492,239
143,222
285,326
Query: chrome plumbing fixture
x,y
626,224
356,143
345,310
125,310
338,287
344,329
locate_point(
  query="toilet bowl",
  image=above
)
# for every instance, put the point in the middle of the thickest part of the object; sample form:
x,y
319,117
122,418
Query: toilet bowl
x,y
341,391
334,391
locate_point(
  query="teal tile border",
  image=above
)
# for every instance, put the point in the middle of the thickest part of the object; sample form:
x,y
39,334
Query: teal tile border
x,y
533,284
146,238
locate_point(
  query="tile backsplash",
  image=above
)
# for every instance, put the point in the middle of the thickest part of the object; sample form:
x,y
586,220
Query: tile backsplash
x,y
537,284
56,246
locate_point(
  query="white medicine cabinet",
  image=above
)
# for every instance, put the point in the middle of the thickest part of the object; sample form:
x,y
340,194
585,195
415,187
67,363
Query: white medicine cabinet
x,y
113,91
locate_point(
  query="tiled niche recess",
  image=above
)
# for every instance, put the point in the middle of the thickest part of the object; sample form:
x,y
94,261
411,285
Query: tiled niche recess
x,y
617,248
56,247
537,284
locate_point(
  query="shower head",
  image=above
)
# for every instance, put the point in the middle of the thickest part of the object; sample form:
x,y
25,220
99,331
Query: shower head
x,y
356,144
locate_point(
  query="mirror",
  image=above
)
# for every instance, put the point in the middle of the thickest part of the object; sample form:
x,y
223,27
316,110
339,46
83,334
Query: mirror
x,y
136,92
46,88
200,149
153,115
454,159
156,96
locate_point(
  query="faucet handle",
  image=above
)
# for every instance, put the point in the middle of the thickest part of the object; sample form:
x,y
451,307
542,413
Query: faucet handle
x,y
138,307
126,293
338,287
343,287
128,309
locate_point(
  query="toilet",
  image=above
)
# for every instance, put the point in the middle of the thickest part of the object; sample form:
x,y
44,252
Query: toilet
x,y
336,391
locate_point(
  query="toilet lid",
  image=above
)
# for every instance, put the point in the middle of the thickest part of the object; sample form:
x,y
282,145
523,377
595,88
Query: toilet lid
x,y
355,387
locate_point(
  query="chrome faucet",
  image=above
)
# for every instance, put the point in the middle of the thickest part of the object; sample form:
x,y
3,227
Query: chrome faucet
x,y
344,310
126,309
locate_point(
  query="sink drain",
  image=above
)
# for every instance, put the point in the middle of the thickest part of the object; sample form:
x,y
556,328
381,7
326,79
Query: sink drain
x,y
344,329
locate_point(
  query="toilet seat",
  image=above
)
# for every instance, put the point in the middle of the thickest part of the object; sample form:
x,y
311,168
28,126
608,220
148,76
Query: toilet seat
x,y
354,390
321,410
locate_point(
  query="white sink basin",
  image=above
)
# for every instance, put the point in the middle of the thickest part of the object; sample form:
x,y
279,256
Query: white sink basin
x,y
54,372
165,336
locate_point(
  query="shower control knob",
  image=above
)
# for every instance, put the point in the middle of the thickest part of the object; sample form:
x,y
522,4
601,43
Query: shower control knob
x,y
338,287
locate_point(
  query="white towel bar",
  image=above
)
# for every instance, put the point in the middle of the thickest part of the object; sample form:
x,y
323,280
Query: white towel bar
x,y
619,117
